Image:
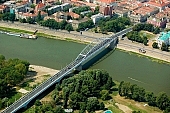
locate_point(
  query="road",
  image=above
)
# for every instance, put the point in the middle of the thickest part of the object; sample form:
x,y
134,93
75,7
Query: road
x,y
151,52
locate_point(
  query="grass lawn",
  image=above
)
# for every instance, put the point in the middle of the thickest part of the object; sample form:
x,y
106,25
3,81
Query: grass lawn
x,y
136,105
149,35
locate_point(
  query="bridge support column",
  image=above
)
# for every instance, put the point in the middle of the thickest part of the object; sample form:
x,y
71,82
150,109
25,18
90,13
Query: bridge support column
x,y
113,44
79,68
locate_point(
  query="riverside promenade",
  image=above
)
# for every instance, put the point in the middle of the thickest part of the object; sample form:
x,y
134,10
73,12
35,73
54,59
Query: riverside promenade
x,y
88,36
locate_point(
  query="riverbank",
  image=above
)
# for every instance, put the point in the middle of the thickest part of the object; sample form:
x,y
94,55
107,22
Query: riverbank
x,y
123,45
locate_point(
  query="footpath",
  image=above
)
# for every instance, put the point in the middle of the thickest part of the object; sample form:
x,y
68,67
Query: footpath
x,y
88,36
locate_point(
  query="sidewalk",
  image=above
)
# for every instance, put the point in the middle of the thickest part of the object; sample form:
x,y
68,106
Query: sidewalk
x,y
151,52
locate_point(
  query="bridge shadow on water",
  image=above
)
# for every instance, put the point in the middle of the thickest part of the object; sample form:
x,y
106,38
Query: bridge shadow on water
x,y
96,59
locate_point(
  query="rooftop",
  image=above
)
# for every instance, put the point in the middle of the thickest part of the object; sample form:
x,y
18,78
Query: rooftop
x,y
145,10
164,35
107,1
159,3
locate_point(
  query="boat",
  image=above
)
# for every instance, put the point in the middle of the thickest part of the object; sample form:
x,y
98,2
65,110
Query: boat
x,y
27,36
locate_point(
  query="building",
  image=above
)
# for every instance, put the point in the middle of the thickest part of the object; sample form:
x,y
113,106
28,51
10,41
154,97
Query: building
x,y
4,8
121,12
96,18
164,38
40,6
74,15
65,5
58,16
141,14
31,15
85,12
106,10
161,4
75,23
54,9
157,22
104,2
81,3
160,19
168,25
130,5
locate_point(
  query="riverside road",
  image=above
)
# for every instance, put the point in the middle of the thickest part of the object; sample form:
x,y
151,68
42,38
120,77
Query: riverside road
x,y
88,37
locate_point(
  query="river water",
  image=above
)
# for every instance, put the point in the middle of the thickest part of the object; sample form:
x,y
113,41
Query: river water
x,y
120,65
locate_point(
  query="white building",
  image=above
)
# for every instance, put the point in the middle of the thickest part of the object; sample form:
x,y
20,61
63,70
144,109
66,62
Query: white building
x,y
85,12
54,9
96,18
65,5
164,38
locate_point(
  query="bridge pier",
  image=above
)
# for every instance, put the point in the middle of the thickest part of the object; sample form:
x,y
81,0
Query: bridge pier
x,y
113,44
79,68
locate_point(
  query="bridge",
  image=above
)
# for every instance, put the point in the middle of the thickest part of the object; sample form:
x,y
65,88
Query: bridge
x,y
87,53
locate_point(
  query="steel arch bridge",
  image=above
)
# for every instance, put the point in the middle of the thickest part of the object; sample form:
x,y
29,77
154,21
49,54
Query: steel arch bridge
x,y
89,51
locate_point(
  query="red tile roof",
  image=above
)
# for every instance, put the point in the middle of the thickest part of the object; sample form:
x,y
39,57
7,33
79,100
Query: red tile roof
x,y
159,3
2,7
39,6
144,10
74,15
107,1
34,14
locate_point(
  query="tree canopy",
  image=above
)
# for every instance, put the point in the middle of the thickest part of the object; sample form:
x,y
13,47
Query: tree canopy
x,y
132,91
113,24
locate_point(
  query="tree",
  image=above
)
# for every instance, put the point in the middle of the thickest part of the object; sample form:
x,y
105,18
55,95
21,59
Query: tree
x,y
138,93
82,106
92,104
38,18
150,98
96,11
155,45
12,17
74,99
30,20
5,16
145,41
37,102
57,87
162,101
164,47
120,88
69,27
109,84
101,105
104,94
22,20
2,57
62,24
33,6
156,30
59,109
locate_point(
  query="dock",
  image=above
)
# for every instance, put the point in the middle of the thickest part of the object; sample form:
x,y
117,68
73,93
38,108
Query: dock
x,y
21,35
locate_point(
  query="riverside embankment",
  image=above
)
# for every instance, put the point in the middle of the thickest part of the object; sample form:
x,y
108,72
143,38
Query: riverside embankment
x,y
87,37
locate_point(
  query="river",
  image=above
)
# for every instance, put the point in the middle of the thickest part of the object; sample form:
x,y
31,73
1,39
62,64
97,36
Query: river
x,y
120,65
